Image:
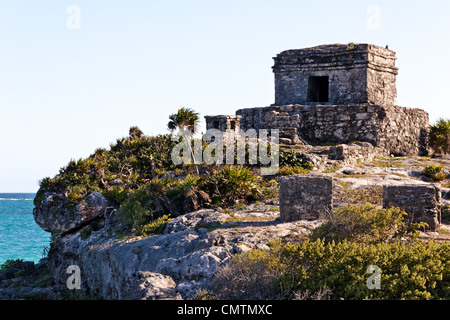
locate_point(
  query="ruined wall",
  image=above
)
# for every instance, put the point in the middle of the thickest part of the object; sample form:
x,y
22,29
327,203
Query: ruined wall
x,y
422,203
356,152
398,130
305,197
223,122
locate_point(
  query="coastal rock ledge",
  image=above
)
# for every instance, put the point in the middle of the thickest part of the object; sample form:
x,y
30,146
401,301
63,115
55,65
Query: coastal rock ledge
x,y
56,216
174,265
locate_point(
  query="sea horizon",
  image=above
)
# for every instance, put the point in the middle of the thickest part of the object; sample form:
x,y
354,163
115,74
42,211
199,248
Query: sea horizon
x,y
20,236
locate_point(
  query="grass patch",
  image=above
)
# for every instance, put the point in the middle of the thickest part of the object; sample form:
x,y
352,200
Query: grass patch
x,y
332,169
388,164
372,195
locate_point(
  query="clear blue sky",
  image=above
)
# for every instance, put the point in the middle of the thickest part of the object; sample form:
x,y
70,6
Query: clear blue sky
x,y
74,80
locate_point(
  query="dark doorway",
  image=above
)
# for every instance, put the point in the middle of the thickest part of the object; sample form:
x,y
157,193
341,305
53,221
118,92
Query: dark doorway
x,y
317,89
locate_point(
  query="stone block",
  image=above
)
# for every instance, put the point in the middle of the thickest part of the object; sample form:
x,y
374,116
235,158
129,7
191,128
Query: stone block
x,y
422,202
305,197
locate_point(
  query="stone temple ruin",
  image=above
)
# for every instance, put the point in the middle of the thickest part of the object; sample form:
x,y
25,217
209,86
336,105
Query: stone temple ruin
x,y
336,94
340,94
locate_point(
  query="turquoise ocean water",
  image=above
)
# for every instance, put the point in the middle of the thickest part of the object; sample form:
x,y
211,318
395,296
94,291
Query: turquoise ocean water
x,y
20,236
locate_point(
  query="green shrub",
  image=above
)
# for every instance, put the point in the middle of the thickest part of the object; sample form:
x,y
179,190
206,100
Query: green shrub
x,y
362,223
44,281
291,159
368,224
435,172
288,170
116,194
9,263
139,210
230,183
85,233
408,271
439,136
156,227
133,160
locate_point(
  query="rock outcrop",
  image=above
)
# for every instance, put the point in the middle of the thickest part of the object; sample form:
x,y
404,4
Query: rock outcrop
x,y
173,265
55,215
192,247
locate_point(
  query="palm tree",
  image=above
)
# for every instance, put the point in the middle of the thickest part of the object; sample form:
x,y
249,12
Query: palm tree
x,y
186,121
439,136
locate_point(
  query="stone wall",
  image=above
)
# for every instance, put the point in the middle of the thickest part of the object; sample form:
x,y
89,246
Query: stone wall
x,y
420,202
223,122
310,197
398,130
305,197
355,73
356,152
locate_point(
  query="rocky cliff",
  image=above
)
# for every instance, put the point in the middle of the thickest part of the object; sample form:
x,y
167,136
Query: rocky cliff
x,y
184,258
172,265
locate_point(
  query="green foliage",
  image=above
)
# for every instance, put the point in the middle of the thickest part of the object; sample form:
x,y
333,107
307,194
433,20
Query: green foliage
x,y
116,194
85,233
9,263
439,136
230,183
44,281
291,159
139,209
362,223
129,164
372,195
155,227
408,271
286,171
135,133
435,172
185,119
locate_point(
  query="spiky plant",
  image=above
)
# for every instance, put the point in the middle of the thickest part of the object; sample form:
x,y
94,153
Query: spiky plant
x,y
439,136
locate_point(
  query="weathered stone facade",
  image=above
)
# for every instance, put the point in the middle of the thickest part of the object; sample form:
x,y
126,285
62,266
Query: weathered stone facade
x,y
356,152
398,130
223,122
336,74
305,197
422,203
339,94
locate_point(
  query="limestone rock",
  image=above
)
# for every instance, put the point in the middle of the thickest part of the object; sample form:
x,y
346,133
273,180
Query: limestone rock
x,y
172,265
57,216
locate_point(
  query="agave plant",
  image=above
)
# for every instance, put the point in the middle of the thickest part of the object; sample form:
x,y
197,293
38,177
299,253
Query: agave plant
x,y
186,121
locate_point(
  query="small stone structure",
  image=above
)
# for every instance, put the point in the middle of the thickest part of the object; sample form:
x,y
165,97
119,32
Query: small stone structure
x,y
336,74
355,153
338,94
305,197
223,123
422,202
